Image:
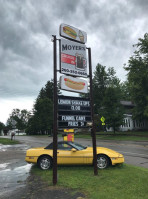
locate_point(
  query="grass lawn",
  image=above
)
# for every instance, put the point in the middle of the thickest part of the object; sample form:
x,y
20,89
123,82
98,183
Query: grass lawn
x,y
118,136
124,181
122,138
7,141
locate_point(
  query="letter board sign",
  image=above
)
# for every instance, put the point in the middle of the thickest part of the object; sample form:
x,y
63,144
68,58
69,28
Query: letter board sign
x,y
73,112
73,58
72,33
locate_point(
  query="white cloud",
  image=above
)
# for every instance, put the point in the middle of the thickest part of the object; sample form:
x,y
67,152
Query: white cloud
x,y
6,106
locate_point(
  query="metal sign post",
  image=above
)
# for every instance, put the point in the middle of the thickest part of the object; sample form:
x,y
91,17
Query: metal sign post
x,y
55,112
92,115
72,112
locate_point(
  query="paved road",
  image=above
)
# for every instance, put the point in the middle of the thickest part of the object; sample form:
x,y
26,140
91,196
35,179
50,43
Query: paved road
x,y
135,153
14,170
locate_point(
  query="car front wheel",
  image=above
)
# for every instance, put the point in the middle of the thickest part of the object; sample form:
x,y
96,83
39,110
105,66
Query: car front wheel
x,y
102,161
45,162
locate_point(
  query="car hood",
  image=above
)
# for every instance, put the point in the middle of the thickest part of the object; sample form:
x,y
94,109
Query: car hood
x,y
102,150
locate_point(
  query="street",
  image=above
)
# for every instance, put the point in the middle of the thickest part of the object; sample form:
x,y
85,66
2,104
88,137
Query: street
x,y
14,170
135,153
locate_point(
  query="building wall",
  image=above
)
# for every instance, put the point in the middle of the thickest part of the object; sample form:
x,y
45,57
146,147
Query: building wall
x,y
130,124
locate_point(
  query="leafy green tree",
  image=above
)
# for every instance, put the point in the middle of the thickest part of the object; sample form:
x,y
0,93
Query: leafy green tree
x,y
113,110
2,126
47,91
107,94
42,118
102,80
124,86
138,78
18,119
99,86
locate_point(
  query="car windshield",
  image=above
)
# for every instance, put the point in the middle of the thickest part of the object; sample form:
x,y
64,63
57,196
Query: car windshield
x,y
77,146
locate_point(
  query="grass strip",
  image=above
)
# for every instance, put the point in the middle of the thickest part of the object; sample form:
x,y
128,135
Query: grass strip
x,y
114,137
116,182
7,141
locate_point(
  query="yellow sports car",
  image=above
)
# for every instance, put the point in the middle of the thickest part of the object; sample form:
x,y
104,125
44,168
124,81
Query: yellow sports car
x,y
73,154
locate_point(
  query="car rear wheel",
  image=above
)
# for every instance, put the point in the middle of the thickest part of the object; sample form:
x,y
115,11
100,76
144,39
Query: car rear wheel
x,y
102,161
45,162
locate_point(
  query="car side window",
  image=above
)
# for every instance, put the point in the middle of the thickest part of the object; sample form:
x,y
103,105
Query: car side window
x,y
64,146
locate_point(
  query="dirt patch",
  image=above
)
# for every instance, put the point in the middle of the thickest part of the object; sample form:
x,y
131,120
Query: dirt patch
x,y
37,189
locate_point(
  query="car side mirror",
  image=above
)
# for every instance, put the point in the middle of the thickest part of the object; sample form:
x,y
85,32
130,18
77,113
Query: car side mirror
x,y
73,150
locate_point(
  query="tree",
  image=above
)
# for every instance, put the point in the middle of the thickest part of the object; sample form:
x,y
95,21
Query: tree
x,y
125,91
18,119
42,118
138,78
2,126
102,80
99,86
47,91
107,94
113,110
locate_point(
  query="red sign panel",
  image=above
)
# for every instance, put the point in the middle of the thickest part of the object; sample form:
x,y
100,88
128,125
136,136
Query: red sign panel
x,y
69,59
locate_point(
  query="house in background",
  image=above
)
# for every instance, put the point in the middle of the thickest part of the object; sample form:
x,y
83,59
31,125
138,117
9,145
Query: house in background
x,y
129,123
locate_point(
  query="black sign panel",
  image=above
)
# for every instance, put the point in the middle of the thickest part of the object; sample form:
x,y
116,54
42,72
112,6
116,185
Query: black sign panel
x,y
73,112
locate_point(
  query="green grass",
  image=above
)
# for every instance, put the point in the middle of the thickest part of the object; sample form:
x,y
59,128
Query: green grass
x,y
114,137
122,138
7,141
116,182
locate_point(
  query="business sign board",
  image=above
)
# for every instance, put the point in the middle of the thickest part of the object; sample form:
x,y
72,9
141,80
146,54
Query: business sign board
x,y
72,33
73,58
73,112
73,84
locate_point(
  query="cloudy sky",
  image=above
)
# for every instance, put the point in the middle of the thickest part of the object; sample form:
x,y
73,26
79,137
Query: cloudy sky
x,y
26,29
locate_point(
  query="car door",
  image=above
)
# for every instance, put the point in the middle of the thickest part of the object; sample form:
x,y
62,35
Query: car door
x,y
65,155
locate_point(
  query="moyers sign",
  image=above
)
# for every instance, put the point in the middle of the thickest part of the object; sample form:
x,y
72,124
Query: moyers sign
x,y
73,112
73,58
73,84
72,33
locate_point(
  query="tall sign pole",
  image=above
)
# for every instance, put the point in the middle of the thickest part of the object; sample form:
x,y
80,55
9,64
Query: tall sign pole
x,y
78,111
55,111
92,115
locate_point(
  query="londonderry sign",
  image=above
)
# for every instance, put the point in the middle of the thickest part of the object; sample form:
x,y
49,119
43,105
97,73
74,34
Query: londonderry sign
x,y
72,112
